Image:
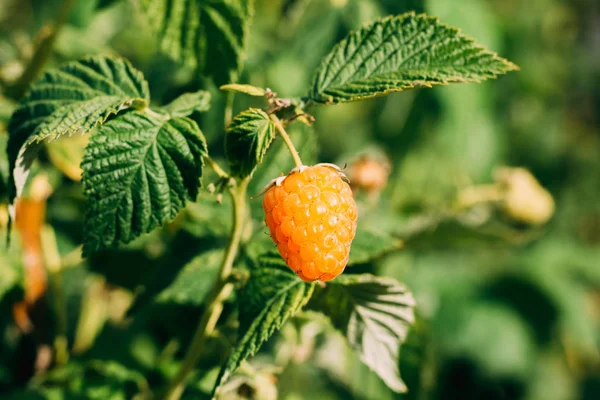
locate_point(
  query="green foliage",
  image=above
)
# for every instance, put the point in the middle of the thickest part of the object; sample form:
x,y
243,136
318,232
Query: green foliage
x,y
187,103
138,171
210,35
369,245
374,314
195,281
247,139
399,53
73,99
94,380
246,89
503,309
273,295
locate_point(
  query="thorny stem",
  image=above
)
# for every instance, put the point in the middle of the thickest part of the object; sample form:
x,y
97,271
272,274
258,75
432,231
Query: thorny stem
x,y
43,50
287,140
221,291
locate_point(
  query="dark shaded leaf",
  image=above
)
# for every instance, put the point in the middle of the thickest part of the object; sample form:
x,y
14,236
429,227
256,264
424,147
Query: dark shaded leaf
x,y
374,314
210,34
273,294
369,245
138,171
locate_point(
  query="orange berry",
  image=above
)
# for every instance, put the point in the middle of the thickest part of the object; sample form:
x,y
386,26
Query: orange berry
x,y
311,214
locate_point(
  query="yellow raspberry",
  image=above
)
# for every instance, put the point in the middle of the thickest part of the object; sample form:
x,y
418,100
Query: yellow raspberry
x,y
311,215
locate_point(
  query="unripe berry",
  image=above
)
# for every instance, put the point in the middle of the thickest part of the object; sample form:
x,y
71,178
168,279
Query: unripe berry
x,y
525,200
369,174
311,215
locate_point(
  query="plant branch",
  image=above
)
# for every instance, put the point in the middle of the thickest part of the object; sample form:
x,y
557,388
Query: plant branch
x,y
43,51
216,167
221,292
287,140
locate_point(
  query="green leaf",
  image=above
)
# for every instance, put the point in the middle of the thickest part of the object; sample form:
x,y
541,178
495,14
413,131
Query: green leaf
x,y
398,53
74,98
208,218
187,103
273,294
374,314
138,170
195,281
369,245
209,34
248,138
242,88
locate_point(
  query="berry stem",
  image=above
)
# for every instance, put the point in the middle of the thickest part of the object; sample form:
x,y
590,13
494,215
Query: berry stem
x,y
287,140
221,292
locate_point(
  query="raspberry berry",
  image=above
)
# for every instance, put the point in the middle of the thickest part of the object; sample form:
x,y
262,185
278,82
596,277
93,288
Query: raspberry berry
x,y
311,214
369,174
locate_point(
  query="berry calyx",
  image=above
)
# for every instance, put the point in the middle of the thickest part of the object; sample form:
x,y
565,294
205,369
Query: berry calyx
x,y
311,214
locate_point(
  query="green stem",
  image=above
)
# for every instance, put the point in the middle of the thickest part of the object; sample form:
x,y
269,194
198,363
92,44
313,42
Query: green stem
x,y
43,51
221,292
228,115
480,194
287,140
216,167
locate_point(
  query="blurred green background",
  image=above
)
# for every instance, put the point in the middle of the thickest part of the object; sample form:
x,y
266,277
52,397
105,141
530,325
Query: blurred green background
x,y
505,310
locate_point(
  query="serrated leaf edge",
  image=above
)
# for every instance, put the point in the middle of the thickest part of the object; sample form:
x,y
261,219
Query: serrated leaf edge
x,y
306,294
322,98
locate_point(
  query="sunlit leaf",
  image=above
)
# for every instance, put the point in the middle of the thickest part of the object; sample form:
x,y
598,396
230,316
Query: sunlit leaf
x,y
72,99
247,140
246,89
398,53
